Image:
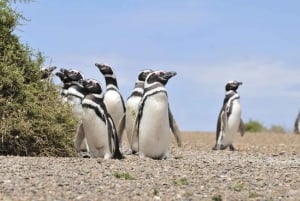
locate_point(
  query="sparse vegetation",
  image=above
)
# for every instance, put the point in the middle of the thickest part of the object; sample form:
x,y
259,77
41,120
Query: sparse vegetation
x,y
155,191
254,126
277,129
237,187
254,195
217,198
181,181
123,175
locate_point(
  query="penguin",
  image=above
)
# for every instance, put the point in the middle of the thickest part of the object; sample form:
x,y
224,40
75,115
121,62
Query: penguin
x,y
99,128
72,93
229,119
152,124
67,77
46,72
297,124
127,120
113,99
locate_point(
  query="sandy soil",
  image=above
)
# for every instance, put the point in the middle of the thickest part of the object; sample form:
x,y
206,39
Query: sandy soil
x,y
265,167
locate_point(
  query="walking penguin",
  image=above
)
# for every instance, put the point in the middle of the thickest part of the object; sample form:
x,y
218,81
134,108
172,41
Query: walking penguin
x,y
229,120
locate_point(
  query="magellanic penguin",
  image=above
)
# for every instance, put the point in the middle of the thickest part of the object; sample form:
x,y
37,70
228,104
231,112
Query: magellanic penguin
x,y
73,94
127,121
297,124
152,124
99,128
229,120
113,99
68,77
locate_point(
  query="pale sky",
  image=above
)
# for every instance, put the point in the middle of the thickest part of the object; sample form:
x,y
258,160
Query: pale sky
x,y
206,42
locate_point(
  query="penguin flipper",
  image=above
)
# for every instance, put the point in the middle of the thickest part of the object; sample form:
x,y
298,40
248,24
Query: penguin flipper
x,y
220,128
122,123
113,138
135,130
80,144
175,129
242,128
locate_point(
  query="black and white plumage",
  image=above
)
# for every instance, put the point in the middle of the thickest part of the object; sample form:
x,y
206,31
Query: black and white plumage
x,y
152,124
98,125
113,99
297,124
73,94
68,77
127,121
229,119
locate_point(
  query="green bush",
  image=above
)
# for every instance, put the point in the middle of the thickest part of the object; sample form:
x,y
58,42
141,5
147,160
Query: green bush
x,y
277,129
254,126
33,120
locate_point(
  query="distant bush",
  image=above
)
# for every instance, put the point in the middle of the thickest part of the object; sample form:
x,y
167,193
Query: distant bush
x,y
254,126
277,129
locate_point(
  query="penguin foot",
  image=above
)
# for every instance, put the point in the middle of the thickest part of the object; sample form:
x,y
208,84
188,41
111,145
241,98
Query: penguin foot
x,y
231,148
215,148
128,152
84,154
223,147
219,147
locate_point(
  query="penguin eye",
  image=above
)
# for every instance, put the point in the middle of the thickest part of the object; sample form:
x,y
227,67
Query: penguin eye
x,y
74,71
161,73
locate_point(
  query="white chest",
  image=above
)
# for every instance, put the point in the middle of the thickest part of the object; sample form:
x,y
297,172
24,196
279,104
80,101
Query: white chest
x,y
154,127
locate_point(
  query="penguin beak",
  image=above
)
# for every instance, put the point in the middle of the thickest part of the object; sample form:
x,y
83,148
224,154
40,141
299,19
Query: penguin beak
x,y
52,68
239,83
60,75
84,82
63,70
103,67
169,74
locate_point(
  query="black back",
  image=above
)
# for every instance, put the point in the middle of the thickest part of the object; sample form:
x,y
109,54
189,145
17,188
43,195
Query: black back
x,y
94,93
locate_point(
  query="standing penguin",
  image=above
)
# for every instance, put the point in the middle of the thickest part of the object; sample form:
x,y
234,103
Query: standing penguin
x,y
297,124
99,128
68,77
113,99
152,124
229,120
72,93
127,121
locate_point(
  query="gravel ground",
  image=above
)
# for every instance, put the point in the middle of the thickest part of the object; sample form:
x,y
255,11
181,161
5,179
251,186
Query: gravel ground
x,y
264,167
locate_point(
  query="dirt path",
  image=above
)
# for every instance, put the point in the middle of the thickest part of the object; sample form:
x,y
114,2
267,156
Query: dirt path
x,y
264,167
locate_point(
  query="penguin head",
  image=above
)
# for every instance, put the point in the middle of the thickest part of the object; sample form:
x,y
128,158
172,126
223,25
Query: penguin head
x,y
105,69
143,74
92,86
232,85
160,76
74,75
61,76
69,75
46,71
